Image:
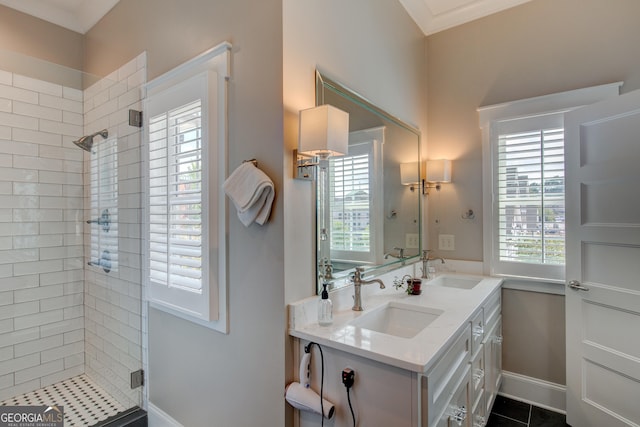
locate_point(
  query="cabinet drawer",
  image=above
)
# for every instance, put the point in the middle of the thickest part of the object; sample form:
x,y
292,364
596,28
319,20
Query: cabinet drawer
x,y
446,374
477,331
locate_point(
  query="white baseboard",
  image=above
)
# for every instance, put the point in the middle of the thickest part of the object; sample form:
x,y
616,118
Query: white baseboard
x,y
159,418
541,393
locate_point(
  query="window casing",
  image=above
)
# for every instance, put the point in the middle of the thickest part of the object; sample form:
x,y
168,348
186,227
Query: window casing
x,y
186,163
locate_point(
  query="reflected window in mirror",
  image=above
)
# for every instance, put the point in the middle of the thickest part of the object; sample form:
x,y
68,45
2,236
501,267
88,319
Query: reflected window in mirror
x,y
355,203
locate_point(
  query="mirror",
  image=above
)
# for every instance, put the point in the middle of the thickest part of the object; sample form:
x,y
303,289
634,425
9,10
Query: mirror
x,y
365,215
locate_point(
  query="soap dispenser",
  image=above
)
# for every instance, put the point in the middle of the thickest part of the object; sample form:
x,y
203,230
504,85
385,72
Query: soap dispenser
x,y
325,308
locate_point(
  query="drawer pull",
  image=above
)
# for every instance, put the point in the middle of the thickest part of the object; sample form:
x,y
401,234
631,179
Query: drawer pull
x,y
459,415
498,339
478,375
478,331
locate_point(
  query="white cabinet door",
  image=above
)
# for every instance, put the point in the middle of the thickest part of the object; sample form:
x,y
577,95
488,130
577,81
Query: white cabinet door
x,y
603,263
458,412
493,363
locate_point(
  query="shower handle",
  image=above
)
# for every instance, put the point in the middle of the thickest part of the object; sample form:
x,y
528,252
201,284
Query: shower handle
x,y
104,220
104,261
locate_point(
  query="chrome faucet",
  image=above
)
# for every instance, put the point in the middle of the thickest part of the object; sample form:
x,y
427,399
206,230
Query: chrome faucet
x,y
425,258
358,281
400,255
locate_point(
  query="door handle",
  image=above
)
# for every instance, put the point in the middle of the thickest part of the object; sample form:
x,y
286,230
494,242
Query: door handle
x,y
577,286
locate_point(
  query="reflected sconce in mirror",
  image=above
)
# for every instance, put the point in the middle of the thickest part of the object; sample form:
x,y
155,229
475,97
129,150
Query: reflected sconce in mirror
x,y
438,172
409,175
324,132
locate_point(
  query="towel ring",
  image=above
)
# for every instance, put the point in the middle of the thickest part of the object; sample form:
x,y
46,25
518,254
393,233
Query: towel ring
x,y
254,161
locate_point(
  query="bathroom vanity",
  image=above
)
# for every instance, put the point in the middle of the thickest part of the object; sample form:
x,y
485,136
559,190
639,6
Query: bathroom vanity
x,y
427,360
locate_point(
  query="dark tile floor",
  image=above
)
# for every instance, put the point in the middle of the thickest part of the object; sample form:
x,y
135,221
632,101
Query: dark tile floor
x,y
512,413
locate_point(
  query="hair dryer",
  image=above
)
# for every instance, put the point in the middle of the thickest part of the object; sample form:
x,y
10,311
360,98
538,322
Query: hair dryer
x,y
302,397
305,399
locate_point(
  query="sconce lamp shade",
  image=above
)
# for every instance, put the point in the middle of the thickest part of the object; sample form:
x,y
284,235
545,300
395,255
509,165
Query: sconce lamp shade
x,y
438,171
324,131
409,173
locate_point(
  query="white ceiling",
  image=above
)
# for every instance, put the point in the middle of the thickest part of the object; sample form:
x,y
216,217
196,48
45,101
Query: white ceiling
x,y
76,15
430,15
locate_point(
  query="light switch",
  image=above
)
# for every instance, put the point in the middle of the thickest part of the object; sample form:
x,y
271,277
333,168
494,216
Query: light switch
x,y
411,241
446,242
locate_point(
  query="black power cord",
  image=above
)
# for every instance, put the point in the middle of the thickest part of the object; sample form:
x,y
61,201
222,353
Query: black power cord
x,y
348,377
307,349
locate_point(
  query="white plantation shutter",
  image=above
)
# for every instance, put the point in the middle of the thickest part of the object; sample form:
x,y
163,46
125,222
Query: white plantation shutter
x,y
175,200
530,183
185,250
529,193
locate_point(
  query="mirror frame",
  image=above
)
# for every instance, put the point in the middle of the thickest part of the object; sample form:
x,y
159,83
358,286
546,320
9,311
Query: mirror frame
x,y
324,82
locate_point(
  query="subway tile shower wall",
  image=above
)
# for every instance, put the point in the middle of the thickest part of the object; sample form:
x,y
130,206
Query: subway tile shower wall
x,y
41,246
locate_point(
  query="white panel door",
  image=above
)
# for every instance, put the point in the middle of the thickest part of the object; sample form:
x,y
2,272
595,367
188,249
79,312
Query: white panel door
x,y
603,263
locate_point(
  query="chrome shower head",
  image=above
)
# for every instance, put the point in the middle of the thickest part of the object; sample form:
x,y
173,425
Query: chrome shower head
x,y
86,142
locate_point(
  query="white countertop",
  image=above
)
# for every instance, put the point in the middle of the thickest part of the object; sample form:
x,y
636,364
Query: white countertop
x,y
416,354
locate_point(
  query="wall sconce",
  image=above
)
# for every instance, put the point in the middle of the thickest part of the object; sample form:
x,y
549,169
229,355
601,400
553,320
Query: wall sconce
x,y
324,132
409,175
438,172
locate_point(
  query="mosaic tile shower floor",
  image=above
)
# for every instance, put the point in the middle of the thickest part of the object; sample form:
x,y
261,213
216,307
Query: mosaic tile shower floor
x,y
84,402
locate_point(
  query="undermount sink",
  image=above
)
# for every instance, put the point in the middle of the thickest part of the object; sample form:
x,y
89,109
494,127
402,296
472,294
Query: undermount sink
x,y
455,282
400,320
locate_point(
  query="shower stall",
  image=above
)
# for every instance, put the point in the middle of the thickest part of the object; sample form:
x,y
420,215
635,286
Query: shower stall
x,y
71,313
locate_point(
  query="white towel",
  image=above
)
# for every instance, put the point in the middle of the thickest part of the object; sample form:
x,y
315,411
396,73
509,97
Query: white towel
x,y
252,193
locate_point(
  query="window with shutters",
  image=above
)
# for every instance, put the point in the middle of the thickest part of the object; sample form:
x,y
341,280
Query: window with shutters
x,y
523,163
528,196
185,116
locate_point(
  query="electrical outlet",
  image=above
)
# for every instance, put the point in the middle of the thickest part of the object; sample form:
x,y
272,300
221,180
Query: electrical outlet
x,y
411,241
446,242
348,376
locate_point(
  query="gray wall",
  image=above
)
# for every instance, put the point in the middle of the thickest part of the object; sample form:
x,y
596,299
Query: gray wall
x,y
534,334
25,34
541,47
198,376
